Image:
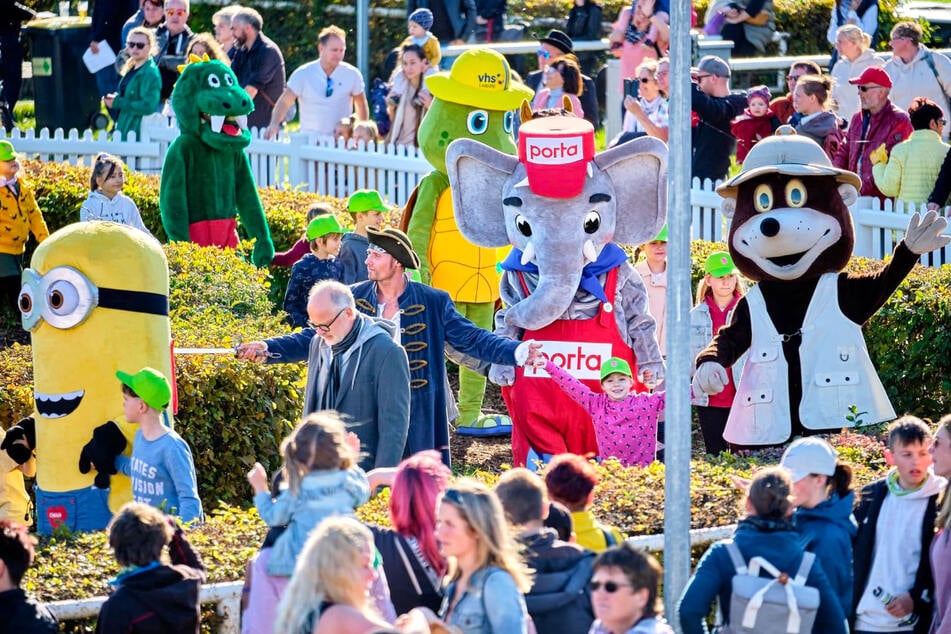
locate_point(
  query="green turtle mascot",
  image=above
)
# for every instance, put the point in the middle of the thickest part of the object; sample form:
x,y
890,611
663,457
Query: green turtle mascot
x,y
476,99
206,177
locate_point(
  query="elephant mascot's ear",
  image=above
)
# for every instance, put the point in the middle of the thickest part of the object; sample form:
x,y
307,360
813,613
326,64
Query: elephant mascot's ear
x,y
638,170
477,175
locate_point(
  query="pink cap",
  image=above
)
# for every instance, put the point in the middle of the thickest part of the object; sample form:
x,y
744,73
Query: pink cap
x,y
872,75
555,152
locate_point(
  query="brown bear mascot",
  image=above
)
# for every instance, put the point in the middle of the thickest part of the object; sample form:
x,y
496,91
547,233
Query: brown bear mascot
x,y
792,233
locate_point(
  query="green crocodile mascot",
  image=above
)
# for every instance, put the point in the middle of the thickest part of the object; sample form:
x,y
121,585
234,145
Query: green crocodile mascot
x,y
476,99
206,177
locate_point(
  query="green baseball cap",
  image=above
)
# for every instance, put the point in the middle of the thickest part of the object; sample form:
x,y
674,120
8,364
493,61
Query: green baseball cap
x,y
719,264
365,200
150,385
661,235
7,153
615,365
322,225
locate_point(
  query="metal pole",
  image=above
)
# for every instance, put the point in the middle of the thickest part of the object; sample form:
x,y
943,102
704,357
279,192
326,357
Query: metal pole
x,y
677,426
363,40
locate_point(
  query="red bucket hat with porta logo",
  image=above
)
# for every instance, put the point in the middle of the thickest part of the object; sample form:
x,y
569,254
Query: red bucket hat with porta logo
x,y
556,152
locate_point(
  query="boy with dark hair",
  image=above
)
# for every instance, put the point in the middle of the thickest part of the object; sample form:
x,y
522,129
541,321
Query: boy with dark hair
x,y
20,613
570,480
896,517
560,600
151,596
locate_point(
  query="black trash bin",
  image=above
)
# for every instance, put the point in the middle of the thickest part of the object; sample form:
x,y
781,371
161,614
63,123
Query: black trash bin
x,y
66,94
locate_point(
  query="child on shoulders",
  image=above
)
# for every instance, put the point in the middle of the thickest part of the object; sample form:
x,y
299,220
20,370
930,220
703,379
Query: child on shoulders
x,y
324,234
756,123
321,479
625,423
420,21
106,200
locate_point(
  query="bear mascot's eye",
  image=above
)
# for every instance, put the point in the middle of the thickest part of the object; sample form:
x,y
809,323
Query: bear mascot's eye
x,y
763,197
796,193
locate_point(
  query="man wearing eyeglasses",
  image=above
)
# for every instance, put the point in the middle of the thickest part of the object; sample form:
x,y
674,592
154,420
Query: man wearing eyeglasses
x,y
353,366
714,106
326,90
917,72
173,38
879,122
782,106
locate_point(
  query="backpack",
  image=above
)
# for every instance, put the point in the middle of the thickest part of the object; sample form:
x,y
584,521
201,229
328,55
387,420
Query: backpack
x,y
377,101
781,605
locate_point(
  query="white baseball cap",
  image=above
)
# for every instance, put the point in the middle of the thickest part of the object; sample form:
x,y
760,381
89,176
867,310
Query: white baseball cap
x,y
809,455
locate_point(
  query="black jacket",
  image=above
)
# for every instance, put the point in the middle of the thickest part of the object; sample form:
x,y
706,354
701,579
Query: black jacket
x,y
157,600
261,66
560,600
866,514
712,141
108,16
24,615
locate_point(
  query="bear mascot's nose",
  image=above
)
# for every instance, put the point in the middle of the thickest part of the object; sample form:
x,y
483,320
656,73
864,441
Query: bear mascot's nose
x,y
769,227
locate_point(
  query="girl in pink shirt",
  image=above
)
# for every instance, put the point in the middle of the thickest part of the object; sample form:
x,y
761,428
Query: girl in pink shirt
x,y
625,423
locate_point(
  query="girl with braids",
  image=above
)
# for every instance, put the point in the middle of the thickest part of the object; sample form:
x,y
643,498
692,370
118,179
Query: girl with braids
x,y
823,496
941,544
766,532
320,479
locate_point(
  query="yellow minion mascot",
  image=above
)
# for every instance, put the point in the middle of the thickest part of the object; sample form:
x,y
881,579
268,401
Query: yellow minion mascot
x,y
88,316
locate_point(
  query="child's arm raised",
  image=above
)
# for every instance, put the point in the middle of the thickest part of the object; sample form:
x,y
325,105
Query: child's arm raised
x,y
575,389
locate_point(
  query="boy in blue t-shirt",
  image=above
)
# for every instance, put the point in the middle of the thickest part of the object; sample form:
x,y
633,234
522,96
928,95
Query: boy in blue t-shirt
x,y
161,466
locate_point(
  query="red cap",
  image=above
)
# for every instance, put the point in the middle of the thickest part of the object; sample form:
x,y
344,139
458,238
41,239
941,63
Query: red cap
x,y
872,75
556,152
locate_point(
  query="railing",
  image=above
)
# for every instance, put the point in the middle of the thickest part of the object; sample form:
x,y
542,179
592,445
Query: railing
x,y
299,161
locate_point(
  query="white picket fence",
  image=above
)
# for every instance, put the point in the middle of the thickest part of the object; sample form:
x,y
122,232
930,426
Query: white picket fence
x,y
300,161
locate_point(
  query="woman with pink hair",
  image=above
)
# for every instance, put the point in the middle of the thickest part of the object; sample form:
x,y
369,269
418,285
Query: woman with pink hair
x,y
414,568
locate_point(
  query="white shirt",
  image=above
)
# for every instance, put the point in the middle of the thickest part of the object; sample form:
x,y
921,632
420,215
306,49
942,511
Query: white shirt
x,y
318,112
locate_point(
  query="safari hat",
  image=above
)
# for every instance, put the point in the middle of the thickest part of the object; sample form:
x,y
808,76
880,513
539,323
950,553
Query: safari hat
x,y
322,225
479,78
7,153
365,200
786,153
615,365
150,385
719,264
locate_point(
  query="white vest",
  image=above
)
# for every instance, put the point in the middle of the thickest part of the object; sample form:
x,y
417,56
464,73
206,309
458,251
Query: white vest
x,y
837,373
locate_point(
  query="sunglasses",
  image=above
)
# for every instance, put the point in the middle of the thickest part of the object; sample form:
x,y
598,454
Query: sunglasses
x,y
703,76
330,88
793,78
608,586
543,53
646,80
136,44
325,327
175,12
867,88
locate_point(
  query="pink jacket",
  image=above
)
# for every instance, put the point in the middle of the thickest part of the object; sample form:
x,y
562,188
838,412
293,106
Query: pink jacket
x,y
890,126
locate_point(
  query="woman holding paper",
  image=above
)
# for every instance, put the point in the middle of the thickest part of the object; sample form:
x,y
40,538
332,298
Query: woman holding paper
x,y
140,86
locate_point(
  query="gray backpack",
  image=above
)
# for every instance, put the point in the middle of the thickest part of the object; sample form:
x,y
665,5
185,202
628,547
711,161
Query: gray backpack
x,y
777,605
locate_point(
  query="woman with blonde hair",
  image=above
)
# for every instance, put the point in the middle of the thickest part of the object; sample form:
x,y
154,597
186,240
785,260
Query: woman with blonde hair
x,y
139,89
941,544
487,577
329,592
855,56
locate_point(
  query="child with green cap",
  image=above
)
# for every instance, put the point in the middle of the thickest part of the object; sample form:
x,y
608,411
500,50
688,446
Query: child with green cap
x,y
161,466
367,208
19,216
324,234
625,423
717,295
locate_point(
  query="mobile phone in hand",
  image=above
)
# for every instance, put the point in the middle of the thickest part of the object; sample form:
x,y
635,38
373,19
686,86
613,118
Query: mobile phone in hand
x,y
632,87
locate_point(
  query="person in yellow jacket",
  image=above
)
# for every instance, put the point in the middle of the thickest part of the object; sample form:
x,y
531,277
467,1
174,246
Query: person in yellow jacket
x,y
19,216
909,174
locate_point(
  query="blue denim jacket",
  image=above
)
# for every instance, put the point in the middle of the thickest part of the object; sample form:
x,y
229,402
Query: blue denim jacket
x,y
492,604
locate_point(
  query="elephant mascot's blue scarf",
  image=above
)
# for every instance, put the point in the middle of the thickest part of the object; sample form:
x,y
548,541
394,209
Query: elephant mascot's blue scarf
x,y
611,256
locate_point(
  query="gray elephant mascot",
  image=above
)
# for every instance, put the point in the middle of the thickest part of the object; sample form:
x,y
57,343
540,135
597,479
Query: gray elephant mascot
x,y
566,283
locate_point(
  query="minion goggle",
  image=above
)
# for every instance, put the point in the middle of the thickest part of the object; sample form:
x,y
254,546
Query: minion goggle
x,y
64,298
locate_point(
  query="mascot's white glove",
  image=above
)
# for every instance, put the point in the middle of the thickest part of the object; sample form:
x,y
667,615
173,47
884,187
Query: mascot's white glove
x,y
711,378
503,375
924,233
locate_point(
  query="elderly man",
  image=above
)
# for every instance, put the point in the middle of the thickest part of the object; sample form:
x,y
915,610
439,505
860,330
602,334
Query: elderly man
x,y
714,106
427,321
353,366
258,65
915,71
879,122
173,38
327,89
